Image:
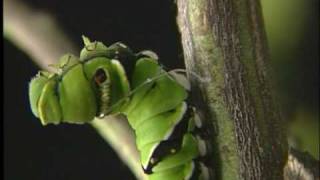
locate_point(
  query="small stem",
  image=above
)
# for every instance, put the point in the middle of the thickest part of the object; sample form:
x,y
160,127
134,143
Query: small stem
x,y
36,33
117,129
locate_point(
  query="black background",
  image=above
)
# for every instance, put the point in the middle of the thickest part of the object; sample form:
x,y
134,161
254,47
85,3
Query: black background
x,y
63,152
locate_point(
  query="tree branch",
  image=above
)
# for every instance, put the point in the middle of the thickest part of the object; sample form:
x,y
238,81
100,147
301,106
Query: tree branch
x,y
39,36
224,41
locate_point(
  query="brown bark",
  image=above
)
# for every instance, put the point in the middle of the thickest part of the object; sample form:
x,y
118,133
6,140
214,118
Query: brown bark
x,y
224,41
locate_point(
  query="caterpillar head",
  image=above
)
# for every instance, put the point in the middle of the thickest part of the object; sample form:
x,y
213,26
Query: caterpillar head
x,y
78,91
65,96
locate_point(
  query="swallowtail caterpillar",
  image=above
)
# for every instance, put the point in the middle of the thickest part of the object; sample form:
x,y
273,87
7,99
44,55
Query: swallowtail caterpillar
x,y
153,100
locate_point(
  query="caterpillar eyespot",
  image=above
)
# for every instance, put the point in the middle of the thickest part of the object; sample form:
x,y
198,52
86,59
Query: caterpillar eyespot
x,y
153,100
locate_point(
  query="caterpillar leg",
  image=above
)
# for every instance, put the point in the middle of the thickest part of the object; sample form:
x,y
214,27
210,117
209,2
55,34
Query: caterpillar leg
x,y
202,133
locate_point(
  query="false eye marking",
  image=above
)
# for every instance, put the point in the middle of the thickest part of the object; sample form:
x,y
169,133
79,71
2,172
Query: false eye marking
x,y
100,76
103,84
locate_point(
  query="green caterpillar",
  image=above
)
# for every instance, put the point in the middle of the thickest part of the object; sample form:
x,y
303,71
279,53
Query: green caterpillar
x,y
154,102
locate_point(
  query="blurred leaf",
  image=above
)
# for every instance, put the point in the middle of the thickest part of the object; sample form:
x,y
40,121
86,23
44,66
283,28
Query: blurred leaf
x,y
284,21
304,132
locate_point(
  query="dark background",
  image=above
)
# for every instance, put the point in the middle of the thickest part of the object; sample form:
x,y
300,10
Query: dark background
x,y
63,152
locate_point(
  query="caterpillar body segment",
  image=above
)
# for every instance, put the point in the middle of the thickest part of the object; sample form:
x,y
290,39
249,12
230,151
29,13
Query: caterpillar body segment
x,y
48,104
36,86
154,101
77,91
